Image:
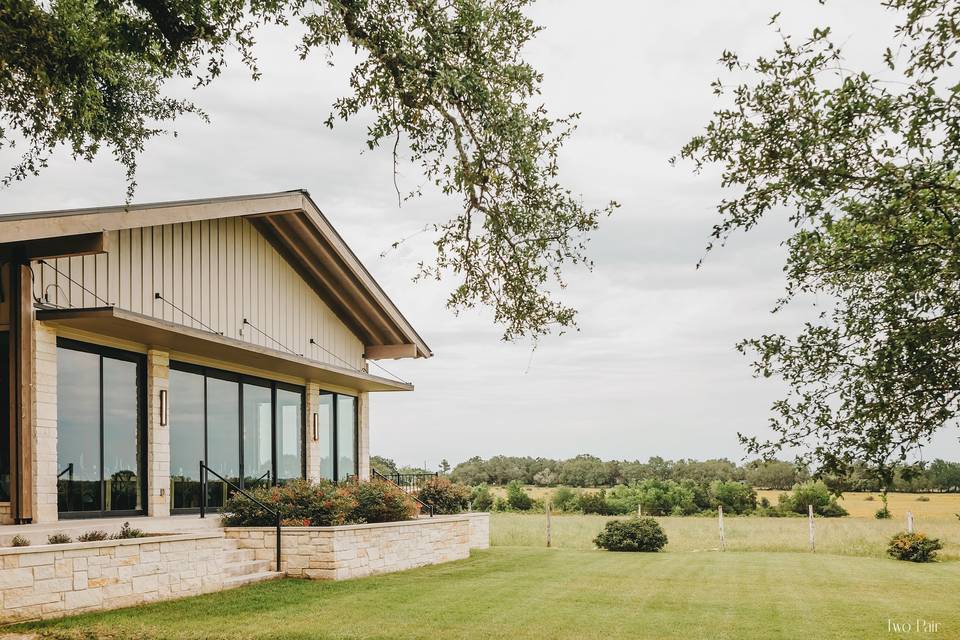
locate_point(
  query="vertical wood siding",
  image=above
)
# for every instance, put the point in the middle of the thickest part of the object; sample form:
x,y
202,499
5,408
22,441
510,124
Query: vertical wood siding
x,y
211,274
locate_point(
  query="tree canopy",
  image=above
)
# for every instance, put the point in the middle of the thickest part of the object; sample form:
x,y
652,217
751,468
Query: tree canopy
x,y
445,78
865,166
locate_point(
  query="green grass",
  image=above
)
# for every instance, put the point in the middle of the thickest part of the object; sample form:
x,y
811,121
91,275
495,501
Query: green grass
x,y
844,536
526,593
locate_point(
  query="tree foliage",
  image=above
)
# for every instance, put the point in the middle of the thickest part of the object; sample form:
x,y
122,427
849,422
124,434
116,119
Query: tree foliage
x,y
445,78
865,167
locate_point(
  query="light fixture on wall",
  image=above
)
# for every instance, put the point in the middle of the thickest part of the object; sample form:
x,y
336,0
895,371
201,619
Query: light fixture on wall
x,y
316,426
163,408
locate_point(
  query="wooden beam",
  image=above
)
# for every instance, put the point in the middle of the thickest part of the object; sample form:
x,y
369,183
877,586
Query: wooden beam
x,y
389,351
21,432
56,247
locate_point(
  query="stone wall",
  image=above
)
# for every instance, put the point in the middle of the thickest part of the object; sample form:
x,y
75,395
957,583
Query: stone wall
x,y
47,581
338,553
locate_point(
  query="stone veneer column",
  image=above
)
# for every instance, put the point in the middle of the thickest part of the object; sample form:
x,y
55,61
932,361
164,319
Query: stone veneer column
x,y
363,444
45,424
158,436
311,406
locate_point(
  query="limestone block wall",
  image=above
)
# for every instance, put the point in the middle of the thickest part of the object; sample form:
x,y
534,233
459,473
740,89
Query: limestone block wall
x,y
479,530
339,553
51,581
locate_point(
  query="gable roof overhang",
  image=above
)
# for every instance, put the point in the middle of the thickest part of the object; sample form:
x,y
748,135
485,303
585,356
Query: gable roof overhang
x,y
294,226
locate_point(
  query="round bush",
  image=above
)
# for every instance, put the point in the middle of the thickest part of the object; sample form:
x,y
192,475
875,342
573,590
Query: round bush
x,y
633,534
913,547
445,496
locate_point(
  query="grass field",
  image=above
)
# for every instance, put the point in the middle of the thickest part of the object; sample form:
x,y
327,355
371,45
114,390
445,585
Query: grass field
x,y
523,593
845,536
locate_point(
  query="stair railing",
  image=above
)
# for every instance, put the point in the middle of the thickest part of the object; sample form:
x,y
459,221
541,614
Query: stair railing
x,y
204,470
423,505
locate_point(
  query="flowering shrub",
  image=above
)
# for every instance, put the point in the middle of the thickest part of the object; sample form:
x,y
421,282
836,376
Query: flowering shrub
x,y
913,547
445,496
320,504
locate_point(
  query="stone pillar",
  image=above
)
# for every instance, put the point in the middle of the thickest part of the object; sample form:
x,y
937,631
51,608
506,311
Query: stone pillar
x,y
363,435
45,424
158,436
311,406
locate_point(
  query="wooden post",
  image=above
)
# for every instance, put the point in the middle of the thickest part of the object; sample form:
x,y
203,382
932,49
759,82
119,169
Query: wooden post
x,y
548,524
723,540
639,510
909,521
813,546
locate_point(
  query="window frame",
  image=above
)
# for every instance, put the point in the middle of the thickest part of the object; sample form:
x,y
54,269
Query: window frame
x,y
143,472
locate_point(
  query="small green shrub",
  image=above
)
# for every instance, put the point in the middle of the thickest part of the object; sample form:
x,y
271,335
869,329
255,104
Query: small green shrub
x,y
883,514
126,531
20,541
501,504
445,496
594,502
59,538
923,499
633,534
913,547
92,536
517,498
481,498
814,493
564,499
869,498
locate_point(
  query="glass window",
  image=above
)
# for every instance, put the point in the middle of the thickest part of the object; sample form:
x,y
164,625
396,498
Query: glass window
x,y
223,437
4,416
257,442
121,436
78,431
326,423
346,436
289,435
100,446
186,438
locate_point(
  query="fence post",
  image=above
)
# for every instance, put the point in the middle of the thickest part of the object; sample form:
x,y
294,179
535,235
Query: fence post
x,y
813,546
548,523
909,521
639,510
723,539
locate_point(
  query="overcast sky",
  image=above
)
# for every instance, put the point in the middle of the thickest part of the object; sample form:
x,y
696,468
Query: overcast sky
x,y
653,370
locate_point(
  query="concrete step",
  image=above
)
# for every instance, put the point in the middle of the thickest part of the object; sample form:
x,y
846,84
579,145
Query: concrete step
x,y
251,578
247,567
238,555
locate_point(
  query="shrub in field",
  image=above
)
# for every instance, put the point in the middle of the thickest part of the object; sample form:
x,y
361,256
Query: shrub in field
x,y
501,504
565,499
633,534
481,499
92,536
20,541
59,538
666,497
517,498
869,498
734,497
444,496
923,499
622,500
883,514
913,547
814,493
594,502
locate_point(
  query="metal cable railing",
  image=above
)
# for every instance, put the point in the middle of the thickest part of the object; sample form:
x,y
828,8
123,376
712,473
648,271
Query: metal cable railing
x,y
204,470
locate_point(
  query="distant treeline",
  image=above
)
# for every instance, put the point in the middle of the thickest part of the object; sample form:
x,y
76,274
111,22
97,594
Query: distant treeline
x,y
590,471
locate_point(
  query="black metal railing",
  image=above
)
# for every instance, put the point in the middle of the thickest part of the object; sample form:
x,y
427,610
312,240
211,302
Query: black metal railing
x,y
204,470
410,481
390,479
69,470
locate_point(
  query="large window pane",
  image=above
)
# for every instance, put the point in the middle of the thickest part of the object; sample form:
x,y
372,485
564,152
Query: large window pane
x,y
289,435
186,438
78,432
257,443
121,442
346,436
326,435
223,437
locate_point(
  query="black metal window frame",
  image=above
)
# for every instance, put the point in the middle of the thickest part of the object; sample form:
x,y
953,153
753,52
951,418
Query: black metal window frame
x,y
336,432
141,361
241,379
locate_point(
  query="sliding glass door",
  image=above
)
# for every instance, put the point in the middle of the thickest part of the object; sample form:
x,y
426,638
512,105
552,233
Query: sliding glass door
x,y
248,430
101,446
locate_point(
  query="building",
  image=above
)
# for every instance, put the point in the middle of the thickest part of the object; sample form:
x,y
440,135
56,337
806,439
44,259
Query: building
x,y
136,342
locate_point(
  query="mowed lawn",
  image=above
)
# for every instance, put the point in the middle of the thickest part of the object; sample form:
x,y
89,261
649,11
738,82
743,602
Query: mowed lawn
x,y
520,593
